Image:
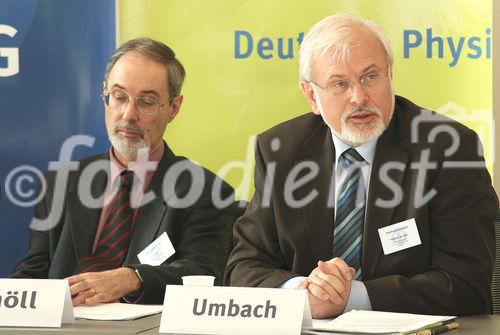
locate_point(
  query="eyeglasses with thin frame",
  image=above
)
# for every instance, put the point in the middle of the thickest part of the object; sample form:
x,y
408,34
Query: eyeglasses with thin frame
x,y
145,104
339,87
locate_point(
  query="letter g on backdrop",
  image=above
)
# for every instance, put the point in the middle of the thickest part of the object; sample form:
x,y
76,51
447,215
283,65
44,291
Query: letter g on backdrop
x,y
12,54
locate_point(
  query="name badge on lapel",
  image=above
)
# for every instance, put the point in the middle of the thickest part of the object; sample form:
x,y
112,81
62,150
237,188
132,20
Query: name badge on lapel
x,y
157,252
399,236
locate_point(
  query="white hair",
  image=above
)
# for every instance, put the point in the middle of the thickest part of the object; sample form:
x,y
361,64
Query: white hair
x,y
337,33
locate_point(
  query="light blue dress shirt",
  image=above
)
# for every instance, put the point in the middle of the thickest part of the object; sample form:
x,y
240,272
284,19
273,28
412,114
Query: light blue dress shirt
x,y
358,298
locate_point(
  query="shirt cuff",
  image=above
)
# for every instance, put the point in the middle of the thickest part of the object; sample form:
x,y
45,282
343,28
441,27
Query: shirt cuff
x,y
358,298
129,299
292,283
136,297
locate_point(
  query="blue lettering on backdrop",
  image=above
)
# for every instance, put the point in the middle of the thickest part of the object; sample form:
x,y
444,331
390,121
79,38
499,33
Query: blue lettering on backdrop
x,y
52,61
453,49
474,47
267,48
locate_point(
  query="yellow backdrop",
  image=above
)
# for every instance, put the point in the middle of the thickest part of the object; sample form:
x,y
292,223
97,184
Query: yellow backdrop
x,y
242,68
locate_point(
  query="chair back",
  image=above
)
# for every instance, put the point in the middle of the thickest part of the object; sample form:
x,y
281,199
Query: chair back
x,y
236,210
495,283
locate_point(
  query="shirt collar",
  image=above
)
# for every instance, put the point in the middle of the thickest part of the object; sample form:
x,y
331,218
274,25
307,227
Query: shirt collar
x,y
366,150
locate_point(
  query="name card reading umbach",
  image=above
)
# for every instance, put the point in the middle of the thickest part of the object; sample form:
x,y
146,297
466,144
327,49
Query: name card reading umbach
x,y
35,303
234,310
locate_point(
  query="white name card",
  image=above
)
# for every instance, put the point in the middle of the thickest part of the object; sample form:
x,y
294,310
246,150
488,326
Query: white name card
x,y
234,310
399,236
35,303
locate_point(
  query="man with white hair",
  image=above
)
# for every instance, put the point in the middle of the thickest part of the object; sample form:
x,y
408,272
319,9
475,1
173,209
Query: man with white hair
x,y
368,202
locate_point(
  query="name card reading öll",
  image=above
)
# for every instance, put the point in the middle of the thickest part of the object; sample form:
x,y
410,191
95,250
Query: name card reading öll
x,y
234,310
35,303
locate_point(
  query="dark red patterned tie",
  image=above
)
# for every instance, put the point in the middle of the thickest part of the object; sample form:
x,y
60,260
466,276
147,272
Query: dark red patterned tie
x,y
115,236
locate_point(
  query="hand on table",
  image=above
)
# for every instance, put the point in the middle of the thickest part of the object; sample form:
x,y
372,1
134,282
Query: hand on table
x,y
105,286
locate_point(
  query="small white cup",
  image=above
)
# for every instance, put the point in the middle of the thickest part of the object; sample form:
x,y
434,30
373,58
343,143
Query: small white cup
x,y
198,280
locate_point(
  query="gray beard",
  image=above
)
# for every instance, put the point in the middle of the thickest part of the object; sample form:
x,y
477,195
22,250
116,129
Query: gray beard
x,y
356,135
129,149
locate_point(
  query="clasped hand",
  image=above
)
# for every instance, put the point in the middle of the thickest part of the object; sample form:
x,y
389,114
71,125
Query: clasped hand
x,y
328,287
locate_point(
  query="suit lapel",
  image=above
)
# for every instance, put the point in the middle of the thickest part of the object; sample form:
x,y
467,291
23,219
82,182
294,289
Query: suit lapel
x,y
318,215
83,219
378,216
150,216
147,224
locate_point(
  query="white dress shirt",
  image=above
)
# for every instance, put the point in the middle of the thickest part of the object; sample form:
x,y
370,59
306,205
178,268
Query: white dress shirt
x,y
358,297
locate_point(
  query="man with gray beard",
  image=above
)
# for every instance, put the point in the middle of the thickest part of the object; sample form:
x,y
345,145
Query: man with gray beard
x,y
368,202
147,196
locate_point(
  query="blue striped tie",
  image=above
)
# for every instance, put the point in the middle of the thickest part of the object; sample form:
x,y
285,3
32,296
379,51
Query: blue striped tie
x,y
350,213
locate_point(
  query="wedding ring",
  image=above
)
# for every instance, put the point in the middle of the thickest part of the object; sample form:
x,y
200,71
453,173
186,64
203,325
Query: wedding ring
x,y
93,292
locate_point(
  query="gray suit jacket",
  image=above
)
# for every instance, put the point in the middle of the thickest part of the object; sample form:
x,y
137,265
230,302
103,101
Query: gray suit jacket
x,y
196,231
449,273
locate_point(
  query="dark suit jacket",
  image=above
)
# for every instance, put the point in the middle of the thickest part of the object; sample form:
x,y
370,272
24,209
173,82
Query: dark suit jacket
x,y
195,231
449,273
